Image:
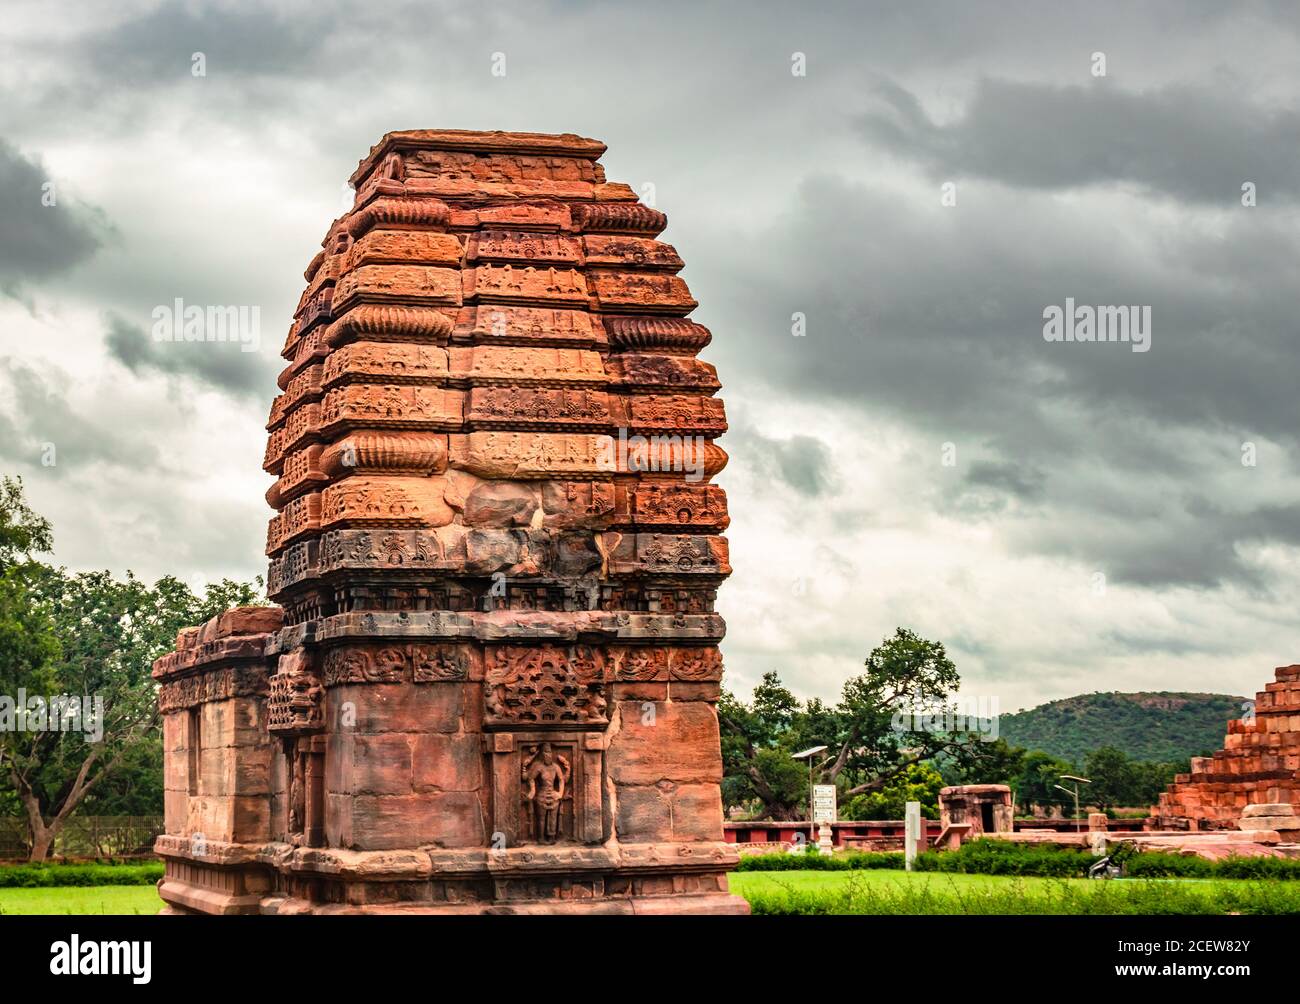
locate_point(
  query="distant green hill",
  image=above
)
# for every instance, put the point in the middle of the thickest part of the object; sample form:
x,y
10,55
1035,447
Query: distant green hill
x,y
1164,726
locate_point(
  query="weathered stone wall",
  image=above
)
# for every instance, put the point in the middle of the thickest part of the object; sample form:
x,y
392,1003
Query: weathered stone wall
x,y
408,774
217,756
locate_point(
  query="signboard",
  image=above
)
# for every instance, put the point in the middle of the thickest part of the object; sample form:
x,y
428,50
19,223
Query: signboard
x,y
823,803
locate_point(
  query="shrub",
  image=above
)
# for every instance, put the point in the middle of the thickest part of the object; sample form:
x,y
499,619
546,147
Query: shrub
x,y
1001,857
1161,864
1257,868
919,782
986,856
1155,864
31,876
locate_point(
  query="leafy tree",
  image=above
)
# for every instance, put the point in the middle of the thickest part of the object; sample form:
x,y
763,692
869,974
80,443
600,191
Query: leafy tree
x,y
135,788
997,762
869,741
28,645
23,533
1113,776
875,741
1036,785
757,740
85,635
920,782
1118,781
1153,778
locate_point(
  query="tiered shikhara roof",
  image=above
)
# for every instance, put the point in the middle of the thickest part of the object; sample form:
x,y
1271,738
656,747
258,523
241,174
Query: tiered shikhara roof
x,y
1259,764
477,337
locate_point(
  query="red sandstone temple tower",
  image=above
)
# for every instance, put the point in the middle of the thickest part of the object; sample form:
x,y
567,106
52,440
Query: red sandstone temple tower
x,y
490,682
1259,765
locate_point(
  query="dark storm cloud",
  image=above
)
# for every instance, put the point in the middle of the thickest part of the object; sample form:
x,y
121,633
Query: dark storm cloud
x,y
40,240
1182,541
934,316
815,195
939,315
801,462
36,412
220,365
1170,643
239,39
1013,479
136,72
1191,142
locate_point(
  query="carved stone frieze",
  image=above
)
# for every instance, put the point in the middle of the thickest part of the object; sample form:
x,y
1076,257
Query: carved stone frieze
x,y
545,686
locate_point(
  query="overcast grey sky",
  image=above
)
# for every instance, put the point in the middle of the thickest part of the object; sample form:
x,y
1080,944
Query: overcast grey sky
x,y
818,194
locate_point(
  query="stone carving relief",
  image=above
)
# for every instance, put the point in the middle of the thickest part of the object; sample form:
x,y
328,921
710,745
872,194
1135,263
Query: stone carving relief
x,y
397,663
545,687
546,776
364,664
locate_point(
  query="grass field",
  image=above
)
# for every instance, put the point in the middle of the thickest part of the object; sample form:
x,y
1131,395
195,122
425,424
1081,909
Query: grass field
x,y
104,899
856,892
892,892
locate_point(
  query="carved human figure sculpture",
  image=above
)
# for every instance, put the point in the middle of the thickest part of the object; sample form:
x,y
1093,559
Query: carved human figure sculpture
x,y
297,799
545,777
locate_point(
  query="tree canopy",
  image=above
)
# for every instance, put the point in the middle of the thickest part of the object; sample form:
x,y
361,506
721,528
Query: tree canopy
x,y
878,758
870,733
93,638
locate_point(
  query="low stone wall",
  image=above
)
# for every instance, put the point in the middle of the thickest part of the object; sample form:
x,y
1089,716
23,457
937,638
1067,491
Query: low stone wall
x,y
868,834
879,834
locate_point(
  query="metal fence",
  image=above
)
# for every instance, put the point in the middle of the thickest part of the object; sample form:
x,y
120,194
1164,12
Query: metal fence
x,y
85,836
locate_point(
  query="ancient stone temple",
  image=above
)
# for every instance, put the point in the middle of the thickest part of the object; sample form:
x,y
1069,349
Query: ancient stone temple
x,y
981,809
1259,764
489,684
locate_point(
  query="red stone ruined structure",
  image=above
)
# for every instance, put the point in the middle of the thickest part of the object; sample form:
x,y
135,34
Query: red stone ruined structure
x,y
496,552
1259,764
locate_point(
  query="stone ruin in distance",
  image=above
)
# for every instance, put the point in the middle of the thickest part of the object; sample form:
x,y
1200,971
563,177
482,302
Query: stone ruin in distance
x,y
489,684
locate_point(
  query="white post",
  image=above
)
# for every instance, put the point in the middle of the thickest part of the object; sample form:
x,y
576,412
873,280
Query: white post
x,y
911,832
825,842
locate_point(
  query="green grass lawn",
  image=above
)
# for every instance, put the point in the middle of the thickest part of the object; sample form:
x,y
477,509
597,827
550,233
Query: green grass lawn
x,y
110,899
894,892
848,892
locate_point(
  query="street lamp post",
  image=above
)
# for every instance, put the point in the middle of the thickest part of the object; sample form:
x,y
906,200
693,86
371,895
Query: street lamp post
x,y
808,754
1075,792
